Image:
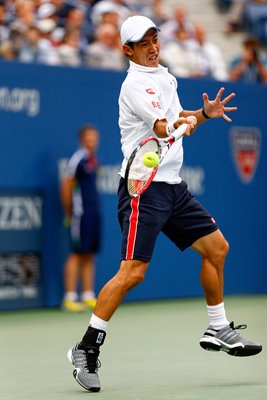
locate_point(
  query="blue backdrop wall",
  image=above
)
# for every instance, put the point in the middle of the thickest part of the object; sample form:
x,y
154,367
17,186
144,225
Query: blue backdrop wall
x,y
41,109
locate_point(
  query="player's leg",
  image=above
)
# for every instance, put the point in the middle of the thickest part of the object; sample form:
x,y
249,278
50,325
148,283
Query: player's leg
x,y
141,220
192,226
71,277
130,274
88,279
220,335
84,356
214,249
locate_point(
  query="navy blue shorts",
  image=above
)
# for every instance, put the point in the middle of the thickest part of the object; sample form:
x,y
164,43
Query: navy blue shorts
x,y
85,233
166,208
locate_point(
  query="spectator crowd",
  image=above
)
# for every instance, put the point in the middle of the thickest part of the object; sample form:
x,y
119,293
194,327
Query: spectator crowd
x,y
85,33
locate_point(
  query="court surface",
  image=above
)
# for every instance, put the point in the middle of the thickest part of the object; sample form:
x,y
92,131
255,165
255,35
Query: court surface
x,y
151,353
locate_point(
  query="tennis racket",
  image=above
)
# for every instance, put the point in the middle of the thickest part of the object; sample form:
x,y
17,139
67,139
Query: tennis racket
x,y
137,176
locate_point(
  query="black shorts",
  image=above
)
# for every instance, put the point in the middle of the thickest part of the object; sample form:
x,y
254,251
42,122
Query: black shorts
x,y
166,208
85,233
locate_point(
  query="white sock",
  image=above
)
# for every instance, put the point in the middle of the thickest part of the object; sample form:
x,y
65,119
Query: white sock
x,y
72,296
89,294
98,323
217,316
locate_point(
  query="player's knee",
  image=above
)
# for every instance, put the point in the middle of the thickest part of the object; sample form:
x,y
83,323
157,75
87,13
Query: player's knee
x,y
137,276
220,252
224,248
131,274
227,247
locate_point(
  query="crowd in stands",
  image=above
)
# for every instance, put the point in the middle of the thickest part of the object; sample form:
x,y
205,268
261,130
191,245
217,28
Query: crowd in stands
x,y
249,16
85,33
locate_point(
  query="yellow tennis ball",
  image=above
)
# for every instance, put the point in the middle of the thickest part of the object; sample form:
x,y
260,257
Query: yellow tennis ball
x,y
151,159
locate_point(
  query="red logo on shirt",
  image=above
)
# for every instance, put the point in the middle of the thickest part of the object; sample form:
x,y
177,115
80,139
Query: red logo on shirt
x,y
156,104
91,163
150,91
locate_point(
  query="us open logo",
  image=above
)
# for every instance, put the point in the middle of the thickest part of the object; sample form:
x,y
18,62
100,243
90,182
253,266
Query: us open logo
x,y
20,213
246,148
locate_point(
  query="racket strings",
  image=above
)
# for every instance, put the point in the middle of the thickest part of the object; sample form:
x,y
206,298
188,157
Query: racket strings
x,y
139,174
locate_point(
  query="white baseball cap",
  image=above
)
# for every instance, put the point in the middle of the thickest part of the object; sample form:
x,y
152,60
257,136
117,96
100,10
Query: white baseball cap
x,y
46,10
46,25
134,28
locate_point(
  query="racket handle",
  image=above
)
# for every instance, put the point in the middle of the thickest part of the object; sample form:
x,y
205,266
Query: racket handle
x,y
179,132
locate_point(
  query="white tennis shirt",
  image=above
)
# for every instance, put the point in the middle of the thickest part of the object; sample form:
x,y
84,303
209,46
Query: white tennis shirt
x,y
148,94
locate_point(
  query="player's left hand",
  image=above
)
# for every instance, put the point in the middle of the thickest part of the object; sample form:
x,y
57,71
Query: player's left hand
x,y
191,122
216,108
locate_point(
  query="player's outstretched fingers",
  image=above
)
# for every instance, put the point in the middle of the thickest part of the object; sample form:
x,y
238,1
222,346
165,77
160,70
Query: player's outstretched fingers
x,y
226,118
228,98
219,94
230,109
205,97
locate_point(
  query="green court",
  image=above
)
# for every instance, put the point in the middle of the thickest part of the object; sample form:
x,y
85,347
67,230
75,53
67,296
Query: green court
x,y
151,353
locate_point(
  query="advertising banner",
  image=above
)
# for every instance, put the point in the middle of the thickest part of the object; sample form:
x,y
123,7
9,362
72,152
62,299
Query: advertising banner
x,y
20,249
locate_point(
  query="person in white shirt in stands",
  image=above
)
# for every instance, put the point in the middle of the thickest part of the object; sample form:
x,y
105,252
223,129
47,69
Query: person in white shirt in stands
x,y
47,52
69,51
149,105
208,58
177,56
179,19
105,52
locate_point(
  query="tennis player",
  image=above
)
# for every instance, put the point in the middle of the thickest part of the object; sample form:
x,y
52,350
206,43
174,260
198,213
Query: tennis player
x,y
149,104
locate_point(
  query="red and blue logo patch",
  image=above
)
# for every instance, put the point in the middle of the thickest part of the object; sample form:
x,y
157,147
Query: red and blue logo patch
x,y
246,147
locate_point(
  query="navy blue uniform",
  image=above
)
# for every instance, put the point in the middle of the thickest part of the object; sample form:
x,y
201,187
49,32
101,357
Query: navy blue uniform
x,y
86,218
166,208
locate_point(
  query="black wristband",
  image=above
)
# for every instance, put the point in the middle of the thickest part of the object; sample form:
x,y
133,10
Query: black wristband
x,y
204,114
